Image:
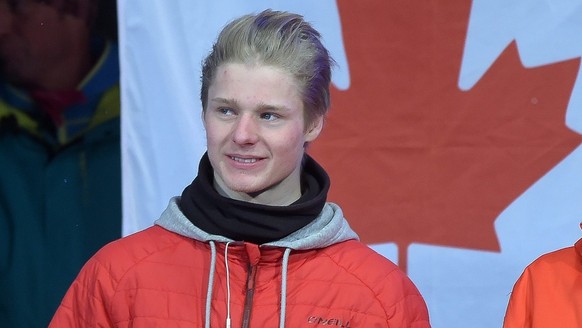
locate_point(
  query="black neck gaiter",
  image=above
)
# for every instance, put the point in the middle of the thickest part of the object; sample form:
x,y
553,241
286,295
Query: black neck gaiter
x,y
255,223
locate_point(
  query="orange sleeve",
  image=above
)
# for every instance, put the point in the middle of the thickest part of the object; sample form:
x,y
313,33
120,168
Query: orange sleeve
x,y
518,311
85,303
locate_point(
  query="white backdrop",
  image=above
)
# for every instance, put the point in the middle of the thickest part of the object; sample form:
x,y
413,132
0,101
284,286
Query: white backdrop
x,y
163,42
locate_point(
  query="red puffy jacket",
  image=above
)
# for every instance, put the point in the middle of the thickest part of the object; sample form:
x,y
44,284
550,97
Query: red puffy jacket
x,y
162,278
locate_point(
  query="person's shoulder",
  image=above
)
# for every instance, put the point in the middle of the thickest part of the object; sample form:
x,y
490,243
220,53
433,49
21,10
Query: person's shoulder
x,y
549,261
368,266
147,241
557,255
126,252
356,254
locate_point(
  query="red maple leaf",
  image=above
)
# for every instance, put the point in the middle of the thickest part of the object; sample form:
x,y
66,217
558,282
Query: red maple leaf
x,y
412,158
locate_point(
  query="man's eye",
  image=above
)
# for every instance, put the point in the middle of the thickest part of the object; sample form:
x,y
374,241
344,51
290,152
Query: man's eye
x,y
225,111
269,116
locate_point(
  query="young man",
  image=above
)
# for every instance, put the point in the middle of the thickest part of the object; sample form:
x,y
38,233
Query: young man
x,y
60,166
252,241
549,292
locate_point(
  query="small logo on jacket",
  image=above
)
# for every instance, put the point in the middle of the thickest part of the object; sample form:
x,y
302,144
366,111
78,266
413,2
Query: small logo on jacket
x,y
313,320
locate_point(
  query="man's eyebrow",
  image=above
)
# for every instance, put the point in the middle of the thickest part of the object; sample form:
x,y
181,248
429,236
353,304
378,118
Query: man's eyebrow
x,y
260,106
225,101
274,108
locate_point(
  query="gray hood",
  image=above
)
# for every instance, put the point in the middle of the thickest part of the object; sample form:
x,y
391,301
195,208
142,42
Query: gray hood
x,y
329,228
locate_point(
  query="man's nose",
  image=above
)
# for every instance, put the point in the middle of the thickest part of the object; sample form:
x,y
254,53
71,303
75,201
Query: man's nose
x,y
245,130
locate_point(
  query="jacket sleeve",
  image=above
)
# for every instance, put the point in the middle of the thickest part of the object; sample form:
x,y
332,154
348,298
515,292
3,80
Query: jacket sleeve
x,y
405,306
518,309
86,302
394,292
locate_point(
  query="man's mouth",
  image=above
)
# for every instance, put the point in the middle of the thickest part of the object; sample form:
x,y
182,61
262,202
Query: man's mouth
x,y
243,160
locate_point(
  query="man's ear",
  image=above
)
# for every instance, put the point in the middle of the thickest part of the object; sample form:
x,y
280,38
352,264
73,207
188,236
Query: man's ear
x,y
314,129
202,116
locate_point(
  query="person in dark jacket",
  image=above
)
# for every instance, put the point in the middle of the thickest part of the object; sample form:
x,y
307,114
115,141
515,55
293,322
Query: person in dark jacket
x,y
60,167
252,241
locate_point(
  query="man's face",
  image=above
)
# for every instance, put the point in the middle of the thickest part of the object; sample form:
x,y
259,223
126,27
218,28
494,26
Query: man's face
x,y
33,36
256,133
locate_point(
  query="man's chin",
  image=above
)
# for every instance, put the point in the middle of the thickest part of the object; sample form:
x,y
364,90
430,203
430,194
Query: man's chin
x,y
249,190
252,191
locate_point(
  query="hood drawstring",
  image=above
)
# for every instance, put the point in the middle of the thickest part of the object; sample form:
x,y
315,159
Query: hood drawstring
x,y
227,285
284,266
284,287
210,283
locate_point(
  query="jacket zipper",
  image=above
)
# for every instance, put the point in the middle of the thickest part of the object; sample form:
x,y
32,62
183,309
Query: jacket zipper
x,y
250,293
